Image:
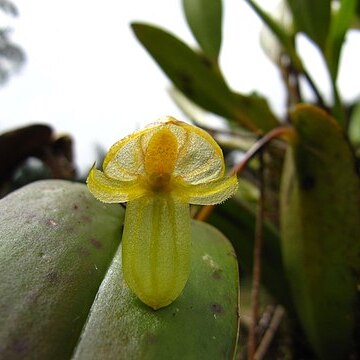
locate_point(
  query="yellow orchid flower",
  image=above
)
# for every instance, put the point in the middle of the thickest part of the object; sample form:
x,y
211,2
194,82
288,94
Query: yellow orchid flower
x,y
159,171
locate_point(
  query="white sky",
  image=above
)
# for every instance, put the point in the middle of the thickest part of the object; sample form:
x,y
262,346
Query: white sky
x,y
87,75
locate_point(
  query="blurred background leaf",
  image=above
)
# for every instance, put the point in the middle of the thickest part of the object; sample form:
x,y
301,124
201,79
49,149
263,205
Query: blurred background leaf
x,y
320,232
12,57
205,20
342,19
312,18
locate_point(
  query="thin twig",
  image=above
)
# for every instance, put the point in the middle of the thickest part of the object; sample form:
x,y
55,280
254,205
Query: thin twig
x,y
270,333
255,291
289,47
338,109
265,319
281,131
320,99
291,80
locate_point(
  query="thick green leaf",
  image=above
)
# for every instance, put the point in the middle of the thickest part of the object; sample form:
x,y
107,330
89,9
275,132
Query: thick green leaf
x,y
189,71
340,23
201,82
205,20
312,18
320,230
255,109
201,324
56,243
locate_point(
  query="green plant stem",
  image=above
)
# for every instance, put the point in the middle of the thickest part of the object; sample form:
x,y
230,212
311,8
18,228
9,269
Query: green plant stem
x,y
290,78
320,100
338,109
284,38
256,278
287,41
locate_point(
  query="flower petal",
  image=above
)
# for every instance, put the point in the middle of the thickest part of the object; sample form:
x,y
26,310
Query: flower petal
x,y
156,248
210,193
200,158
125,159
111,190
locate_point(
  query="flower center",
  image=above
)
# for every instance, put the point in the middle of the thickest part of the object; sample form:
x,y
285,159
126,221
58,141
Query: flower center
x,y
160,158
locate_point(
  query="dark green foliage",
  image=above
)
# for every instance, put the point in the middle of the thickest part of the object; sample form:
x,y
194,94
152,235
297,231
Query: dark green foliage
x,y
61,300
320,232
205,20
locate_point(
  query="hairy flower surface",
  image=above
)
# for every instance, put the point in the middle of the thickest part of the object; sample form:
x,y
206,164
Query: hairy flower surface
x,y
159,171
